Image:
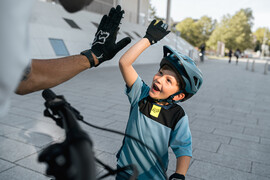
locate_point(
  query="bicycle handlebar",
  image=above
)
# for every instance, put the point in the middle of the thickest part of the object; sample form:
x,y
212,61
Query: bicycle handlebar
x,y
73,158
48,94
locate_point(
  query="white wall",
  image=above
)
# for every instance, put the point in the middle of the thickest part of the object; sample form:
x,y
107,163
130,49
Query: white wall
x,y
47,22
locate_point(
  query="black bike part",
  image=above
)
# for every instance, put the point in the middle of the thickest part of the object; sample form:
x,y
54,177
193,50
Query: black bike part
x,y
54,104
112,171
72,159
48,94
69,161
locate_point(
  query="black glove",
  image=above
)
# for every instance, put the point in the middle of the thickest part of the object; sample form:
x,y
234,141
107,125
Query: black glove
x,y
104,46
156,32
177,176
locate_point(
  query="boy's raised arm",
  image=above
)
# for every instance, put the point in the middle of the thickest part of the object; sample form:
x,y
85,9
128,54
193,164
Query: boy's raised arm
x,y
154,33
125,64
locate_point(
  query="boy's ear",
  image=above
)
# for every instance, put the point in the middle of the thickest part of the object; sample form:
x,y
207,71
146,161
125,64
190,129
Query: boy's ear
x,y
179,97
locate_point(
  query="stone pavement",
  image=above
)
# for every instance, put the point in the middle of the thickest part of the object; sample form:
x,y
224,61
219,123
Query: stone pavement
x,y
229,120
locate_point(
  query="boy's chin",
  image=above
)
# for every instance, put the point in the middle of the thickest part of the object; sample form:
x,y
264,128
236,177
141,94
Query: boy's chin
x,y
153,97
156,97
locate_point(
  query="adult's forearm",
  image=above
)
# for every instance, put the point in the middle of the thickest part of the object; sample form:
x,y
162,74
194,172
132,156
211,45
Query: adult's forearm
x,y
51,72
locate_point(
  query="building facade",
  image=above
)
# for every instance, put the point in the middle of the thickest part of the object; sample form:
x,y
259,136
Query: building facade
x,y
136,11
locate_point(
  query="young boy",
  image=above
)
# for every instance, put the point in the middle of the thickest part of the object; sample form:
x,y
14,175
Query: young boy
x,y
155,118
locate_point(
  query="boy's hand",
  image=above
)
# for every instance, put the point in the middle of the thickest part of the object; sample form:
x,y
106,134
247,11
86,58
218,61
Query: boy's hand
x,y
104,46
156,32
177,176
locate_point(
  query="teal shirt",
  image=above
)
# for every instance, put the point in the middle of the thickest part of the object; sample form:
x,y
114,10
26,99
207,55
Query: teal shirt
x,y
158,136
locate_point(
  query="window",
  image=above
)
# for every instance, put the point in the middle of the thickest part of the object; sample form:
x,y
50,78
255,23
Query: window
x,y
72,23
59,47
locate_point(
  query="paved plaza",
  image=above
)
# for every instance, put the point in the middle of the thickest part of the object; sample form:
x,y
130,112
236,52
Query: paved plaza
x,y
229,120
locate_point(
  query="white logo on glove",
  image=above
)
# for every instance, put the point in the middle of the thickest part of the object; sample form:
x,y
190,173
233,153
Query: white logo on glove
x,y
101,37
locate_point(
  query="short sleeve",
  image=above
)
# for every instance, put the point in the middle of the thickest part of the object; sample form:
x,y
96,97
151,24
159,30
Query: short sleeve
x,y
181,140
138,91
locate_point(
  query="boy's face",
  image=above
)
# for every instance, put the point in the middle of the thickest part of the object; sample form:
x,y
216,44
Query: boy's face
x,y
164,84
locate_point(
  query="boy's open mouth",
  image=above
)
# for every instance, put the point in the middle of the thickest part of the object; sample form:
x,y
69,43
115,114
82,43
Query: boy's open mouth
x,y
155,87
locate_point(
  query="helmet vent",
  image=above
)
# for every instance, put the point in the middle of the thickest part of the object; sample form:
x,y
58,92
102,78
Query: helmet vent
x,y
195,80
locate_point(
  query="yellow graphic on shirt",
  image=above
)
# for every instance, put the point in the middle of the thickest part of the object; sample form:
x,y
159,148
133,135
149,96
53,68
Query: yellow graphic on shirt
x,y
155,111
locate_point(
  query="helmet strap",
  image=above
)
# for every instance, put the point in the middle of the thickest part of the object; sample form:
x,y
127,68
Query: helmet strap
x,y
170,99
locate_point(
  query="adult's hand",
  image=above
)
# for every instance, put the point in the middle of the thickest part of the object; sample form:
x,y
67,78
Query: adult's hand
x,y
104,46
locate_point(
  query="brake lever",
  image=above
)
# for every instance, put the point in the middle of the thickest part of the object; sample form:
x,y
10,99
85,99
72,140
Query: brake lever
x,y
53,106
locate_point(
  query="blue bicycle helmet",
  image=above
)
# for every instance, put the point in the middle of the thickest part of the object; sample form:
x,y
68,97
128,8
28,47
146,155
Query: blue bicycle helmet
x,y
186,69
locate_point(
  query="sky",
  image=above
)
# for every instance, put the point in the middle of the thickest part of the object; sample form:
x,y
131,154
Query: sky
x,y
216,9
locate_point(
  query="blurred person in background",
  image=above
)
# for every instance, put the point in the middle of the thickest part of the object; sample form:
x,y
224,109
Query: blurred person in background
x,y
230,55
202,52
237,55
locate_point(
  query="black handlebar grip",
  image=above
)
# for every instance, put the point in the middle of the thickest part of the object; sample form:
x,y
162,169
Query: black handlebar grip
x,y
48,94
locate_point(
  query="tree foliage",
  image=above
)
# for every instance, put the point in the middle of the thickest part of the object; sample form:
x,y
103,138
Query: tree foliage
x,y
234,31
262,35
186,29
196,32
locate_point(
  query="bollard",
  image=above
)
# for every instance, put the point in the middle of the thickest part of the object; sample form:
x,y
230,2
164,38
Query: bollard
x,y
253,66
266,68
247,64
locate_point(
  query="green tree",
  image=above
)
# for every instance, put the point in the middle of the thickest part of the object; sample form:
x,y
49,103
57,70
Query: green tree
x,y
234,31
260,34
203,29
196,32
186,27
